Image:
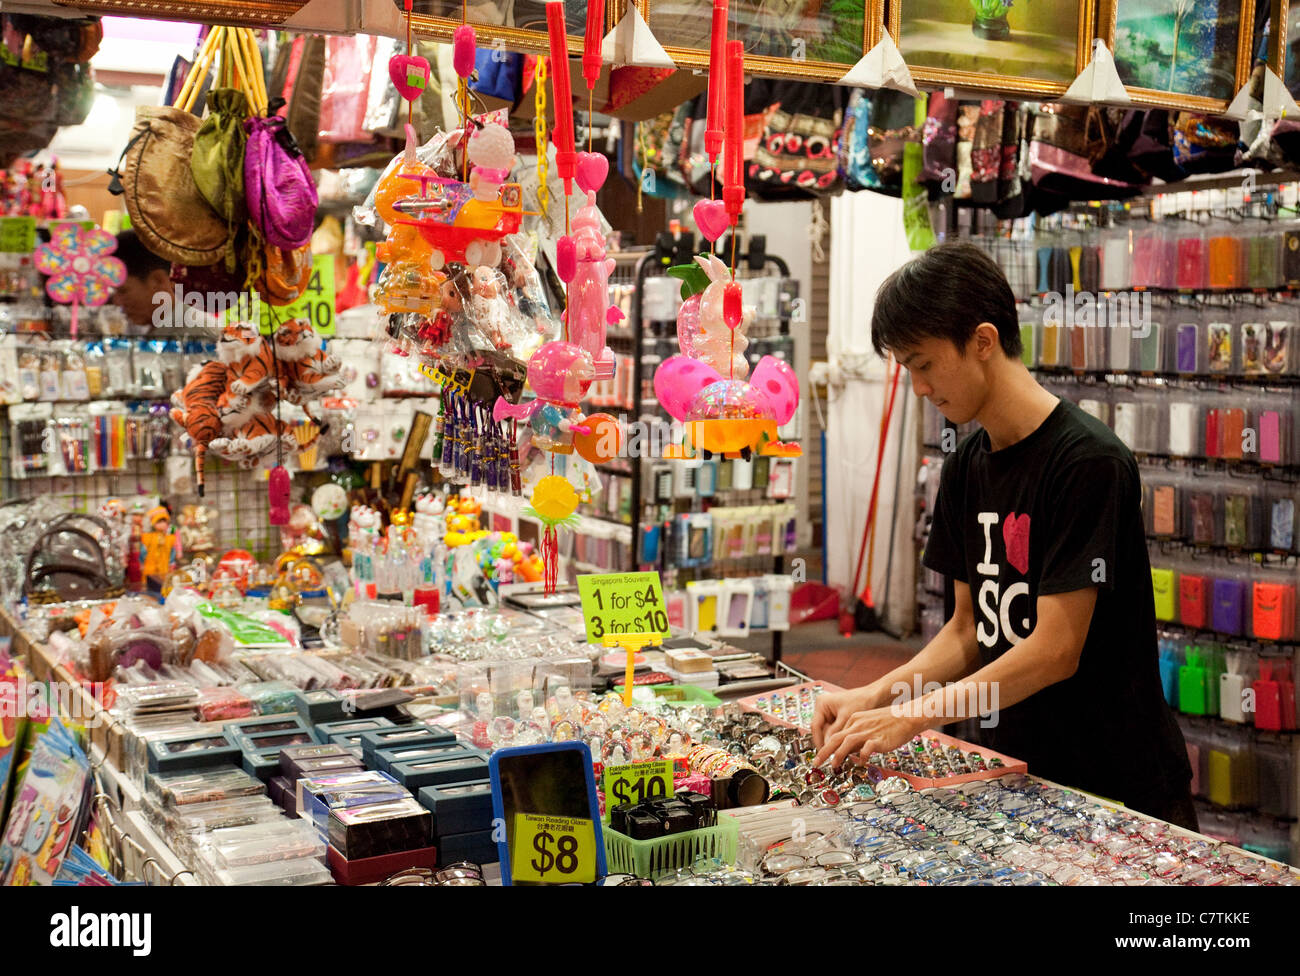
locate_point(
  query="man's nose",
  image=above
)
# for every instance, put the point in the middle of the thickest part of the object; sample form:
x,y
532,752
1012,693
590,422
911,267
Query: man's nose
x,y
919,386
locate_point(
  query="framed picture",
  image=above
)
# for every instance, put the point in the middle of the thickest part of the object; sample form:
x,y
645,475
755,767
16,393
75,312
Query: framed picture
x,y
1185,54
809,39
1032,48
521,24
1284,42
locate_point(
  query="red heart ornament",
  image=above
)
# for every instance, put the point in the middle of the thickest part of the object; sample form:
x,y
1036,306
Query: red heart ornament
x,y
566,259
710,218
593,167
409,74
1015,536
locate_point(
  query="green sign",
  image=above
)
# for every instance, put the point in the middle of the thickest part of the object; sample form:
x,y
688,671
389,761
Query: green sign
x,y
637,782
17,235
623,603
316,304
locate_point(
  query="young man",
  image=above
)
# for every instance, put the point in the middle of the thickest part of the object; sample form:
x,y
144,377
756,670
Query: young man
x,y
147,296
1038,522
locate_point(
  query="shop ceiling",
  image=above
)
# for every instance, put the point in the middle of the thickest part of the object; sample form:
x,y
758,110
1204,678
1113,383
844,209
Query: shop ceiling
x,y
1004,48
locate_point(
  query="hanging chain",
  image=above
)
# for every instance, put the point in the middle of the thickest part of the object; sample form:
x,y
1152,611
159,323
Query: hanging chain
x,y
540,133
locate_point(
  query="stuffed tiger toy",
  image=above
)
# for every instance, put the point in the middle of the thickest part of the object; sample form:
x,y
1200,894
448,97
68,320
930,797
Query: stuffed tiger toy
x,y
254,441
195,408
248,356
305,370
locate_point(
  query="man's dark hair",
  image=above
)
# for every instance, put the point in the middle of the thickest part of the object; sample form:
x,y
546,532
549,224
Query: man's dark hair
x,y
945,294
139,260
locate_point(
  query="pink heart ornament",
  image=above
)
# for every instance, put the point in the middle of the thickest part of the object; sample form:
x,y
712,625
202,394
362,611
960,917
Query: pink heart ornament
x,y
710,218
593,168
409,74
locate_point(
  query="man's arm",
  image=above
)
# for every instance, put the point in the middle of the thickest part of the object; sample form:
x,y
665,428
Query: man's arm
x,y
1048,655
952,654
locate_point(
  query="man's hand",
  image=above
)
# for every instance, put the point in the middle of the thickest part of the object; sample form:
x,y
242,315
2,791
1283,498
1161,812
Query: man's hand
x,y
865,732
834,709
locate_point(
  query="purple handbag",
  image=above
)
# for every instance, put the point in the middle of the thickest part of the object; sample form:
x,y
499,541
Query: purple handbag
x,y
278,183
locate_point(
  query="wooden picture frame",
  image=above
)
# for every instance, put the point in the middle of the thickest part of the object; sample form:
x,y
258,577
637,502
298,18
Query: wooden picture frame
x,y
528,39
799,66
1000,83
1108,19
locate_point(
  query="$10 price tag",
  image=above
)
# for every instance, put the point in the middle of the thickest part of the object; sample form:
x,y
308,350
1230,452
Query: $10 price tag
x,y
553,850
637,782
623,603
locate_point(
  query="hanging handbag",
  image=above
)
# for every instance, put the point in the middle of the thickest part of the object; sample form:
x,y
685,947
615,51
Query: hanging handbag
x,y
217,162
281,194
156,182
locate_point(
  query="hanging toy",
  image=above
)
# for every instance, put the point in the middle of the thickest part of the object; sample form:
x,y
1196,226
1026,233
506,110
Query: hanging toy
x,y
729,417
409,72
454,223
589,311
566,160
554,504
194,408
277,492
304,369
80,267
703,329
491,153
560,374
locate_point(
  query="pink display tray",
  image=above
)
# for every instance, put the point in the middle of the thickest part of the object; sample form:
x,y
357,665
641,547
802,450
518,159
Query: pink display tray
x,y
751,703
1008,766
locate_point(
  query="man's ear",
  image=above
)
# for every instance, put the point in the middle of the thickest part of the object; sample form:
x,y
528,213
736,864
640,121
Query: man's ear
x,y
986,341
159,280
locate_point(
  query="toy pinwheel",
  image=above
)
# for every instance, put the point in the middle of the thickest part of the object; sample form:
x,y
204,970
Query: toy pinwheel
x,y
80,267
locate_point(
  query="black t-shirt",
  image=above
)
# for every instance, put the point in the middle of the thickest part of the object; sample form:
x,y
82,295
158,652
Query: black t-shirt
x,y
1055,512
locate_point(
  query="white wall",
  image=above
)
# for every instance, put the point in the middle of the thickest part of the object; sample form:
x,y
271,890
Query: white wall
x,y
867,244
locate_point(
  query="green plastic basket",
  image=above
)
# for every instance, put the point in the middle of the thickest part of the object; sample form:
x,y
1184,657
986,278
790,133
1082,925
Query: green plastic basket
x,y
647,858
688,694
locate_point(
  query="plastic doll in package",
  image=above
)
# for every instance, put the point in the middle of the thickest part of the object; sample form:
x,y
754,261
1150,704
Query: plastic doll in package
x,y
198,529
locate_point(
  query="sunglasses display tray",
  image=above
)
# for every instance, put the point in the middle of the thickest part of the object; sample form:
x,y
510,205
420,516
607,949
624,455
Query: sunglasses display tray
x,y
763,703
1008,765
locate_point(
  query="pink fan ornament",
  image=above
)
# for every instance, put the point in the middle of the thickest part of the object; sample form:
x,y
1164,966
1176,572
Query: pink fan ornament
x,y
80,267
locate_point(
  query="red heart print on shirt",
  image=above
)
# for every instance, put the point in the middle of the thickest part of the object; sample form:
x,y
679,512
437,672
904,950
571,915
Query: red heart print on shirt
x,y
1015,535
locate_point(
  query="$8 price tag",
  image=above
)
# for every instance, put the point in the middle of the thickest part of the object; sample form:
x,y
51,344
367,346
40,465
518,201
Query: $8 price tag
x,y
637,782
553,850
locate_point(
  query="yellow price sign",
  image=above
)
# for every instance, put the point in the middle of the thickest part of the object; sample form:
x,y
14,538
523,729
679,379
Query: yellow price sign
x,y
315,304
623,603
637,782
553,850
17,234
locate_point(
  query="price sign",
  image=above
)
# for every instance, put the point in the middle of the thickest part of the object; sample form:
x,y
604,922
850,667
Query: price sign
x,y
316,304
623,603
637,782
553,850
17,235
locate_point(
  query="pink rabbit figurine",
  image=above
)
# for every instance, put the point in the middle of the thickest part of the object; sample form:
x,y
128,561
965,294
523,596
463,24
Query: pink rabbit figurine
x,y
589,308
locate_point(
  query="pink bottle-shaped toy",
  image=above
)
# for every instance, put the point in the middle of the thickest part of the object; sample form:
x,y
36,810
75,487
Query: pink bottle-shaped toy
x,y
589,308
